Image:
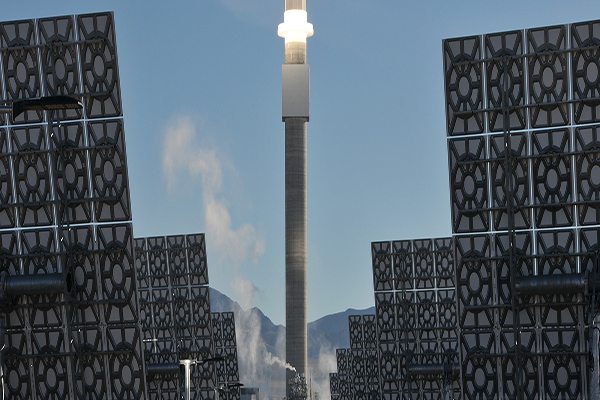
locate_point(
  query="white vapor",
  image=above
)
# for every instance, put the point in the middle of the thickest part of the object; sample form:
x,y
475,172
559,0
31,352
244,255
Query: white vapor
x,y
185,159
256,357
270,359
325,364
182,154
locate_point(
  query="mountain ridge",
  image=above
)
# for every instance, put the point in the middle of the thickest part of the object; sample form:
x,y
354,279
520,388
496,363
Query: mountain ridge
x,y
261,346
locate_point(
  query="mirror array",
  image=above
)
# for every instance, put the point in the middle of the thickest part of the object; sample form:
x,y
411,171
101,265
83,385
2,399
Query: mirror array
x,y
223,326
516,313
415,305
416,316
175,314
70,323
358,370
528,102
410,345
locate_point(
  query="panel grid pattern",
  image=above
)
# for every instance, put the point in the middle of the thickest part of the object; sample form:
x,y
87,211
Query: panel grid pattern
x,y
65,209
363,373
416,322
175,310
528,101
224,339
341,385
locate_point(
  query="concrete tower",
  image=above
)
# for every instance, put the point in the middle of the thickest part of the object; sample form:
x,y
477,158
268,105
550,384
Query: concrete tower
x,y
295,83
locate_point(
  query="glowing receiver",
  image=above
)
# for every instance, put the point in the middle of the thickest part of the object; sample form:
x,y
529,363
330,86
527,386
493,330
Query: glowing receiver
x,y
295,26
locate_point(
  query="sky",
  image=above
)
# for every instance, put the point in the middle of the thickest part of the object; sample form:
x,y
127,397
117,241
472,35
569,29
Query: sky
x,y
201,92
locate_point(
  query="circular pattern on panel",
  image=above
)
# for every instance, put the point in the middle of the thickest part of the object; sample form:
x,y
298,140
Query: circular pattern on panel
x,y
547,77
382,268
181,312
32,176
115,266
200,308
386,316
444,265
16,375
427,314
563,378
480,378
60,66
447,313
145,314
124,369
476,281
109,170
162,313
463,85
586,70
506,76
470,186
21,73
100,78
356,333
81,262
424,269
157,263
403,269
547,66
91,378
524,375
197,261
72,187
553,179
51,376
229,331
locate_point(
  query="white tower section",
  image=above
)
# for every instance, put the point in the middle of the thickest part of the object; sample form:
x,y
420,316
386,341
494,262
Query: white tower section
x,y
295,29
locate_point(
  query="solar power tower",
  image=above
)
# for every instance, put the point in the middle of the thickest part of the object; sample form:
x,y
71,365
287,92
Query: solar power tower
x,y
523,114
358,367
228,377
175,314
69,313
415,305
295,30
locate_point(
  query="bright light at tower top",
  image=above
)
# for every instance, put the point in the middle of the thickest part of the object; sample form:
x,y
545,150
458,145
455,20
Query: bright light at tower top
x,y
295,26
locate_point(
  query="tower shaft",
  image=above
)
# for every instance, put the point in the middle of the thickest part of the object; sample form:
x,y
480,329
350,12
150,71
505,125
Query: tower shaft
x,y
295,242
295,30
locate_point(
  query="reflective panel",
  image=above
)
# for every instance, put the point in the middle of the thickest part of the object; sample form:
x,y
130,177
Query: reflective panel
x,y
530,170
65,220
175,313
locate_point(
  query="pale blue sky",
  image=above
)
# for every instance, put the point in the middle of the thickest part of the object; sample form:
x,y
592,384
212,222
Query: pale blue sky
x,y
207,72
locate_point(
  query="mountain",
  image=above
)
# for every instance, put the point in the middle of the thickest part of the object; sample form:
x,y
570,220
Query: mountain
x,y
261,347
332,329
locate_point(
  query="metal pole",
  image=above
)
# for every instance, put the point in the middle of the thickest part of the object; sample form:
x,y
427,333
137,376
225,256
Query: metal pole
x,y
595,378
509,193
2,349
187,381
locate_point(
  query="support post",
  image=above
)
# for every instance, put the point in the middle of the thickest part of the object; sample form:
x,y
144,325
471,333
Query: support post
x,y
187,378
595,372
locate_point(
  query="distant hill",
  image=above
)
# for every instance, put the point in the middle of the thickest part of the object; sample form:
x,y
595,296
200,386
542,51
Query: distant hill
x,y
261,346
332,329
